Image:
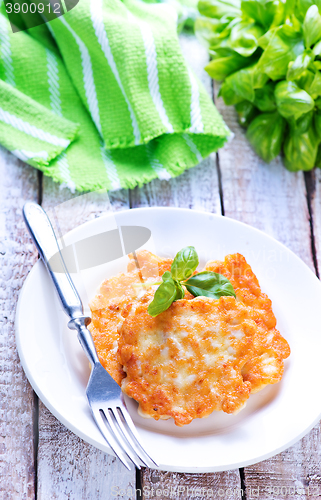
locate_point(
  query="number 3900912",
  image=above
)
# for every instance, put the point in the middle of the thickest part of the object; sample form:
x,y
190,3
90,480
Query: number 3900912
x,y
32,8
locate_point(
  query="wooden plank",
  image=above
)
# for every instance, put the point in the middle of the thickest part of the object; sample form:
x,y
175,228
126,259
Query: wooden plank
x,y
197,188
17,255
69,468
294,473
179,486
274,200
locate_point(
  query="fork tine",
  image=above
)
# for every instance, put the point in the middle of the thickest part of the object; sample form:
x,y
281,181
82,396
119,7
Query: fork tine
x,y
110,438
134,434
109,414
129,438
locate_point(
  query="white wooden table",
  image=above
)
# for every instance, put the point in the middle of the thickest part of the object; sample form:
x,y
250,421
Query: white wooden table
x,y
39,458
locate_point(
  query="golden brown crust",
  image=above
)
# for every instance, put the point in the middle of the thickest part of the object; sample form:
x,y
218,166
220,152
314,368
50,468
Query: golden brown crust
x,y
108,306
183,384
148,264
187,362
271,348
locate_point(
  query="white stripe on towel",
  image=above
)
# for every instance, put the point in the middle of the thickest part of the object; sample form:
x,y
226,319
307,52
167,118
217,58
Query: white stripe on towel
x,y
197,126
88,77
100,30
29,129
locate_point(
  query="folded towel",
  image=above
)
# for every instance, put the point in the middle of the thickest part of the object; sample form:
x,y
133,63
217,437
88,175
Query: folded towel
x,y
106,99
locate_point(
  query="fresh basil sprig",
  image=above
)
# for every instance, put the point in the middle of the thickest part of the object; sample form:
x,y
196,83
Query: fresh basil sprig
x,y
164,295
184,264
206,283
209,284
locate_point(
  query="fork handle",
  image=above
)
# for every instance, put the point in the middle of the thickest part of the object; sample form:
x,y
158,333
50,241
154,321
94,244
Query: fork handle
x,y
44,238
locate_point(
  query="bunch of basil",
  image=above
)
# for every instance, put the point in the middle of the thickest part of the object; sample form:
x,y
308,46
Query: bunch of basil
x,y
268,54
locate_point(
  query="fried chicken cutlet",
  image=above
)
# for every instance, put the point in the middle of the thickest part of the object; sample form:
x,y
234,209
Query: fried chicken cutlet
x,y
113,296
166,387
187,361
270,348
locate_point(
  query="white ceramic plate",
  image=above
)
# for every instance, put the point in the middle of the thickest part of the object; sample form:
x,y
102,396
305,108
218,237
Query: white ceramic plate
x,y
273,419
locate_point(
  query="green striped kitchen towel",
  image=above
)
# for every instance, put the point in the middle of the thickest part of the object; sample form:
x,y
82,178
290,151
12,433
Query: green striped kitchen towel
x,y
106,99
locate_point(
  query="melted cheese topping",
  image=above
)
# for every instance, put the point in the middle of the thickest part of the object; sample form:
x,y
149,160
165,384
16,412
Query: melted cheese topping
x,y
187,361
198,356
270,348
109,306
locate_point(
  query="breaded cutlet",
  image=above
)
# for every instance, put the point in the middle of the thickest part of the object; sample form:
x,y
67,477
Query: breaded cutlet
x,y
113,296
187,361
120,319
270,348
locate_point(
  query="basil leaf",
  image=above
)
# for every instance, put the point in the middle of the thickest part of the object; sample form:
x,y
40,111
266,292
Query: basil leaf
x,y
316,66
241,83
262,11
246,112
301,150
264,40
180,293
259,79
264,98
221,67
167,276
299,65
318,103
317,49
266,134
305,80
228,94
303,123
302,6
244,38
318,158
224,51
312,26
315,87
292,101
184,264
163,298
245,81
317,122
210,31
218,8
284,46
209,284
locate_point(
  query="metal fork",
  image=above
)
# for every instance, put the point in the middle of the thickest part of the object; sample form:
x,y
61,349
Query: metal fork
x,y
104,395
